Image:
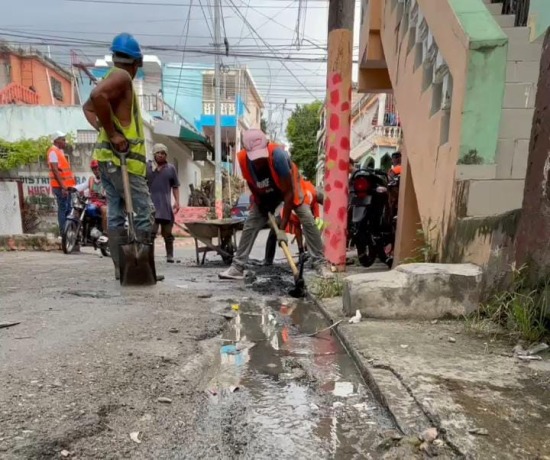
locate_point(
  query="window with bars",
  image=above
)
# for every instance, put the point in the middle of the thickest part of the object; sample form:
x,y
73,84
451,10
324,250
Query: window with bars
x,y
57,88
228,86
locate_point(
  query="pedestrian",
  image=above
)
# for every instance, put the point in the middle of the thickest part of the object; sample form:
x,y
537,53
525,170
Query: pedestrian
x,y
395,169
163,182
61,177
273,179
113,110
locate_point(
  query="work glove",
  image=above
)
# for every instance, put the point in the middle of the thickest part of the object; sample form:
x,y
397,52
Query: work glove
x,y
281,237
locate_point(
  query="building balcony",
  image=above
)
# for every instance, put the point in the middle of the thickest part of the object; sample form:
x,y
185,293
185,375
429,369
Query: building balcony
x,y
227,108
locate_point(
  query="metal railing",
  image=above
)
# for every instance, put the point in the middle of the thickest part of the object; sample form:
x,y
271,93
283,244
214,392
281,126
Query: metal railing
x,y
227,108
519,8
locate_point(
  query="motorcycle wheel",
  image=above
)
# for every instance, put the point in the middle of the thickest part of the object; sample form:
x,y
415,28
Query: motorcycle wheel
x,y
365,252
70,236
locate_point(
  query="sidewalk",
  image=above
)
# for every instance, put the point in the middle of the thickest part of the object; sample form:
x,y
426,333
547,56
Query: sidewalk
x,y
484,402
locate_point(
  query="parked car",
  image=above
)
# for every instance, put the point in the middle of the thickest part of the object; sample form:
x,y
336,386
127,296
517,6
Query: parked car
x,y
241,209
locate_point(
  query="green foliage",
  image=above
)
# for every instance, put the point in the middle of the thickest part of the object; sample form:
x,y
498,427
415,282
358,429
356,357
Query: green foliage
x,y
24,152
520,310
471,158
301,131
328,288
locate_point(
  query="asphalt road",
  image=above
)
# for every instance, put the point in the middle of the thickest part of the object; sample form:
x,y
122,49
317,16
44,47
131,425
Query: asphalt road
x,y
189,375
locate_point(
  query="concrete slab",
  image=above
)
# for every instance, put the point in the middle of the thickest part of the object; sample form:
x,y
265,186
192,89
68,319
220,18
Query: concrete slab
x,y
471,382
420,291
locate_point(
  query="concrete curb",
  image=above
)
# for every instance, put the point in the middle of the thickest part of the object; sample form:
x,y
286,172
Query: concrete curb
x,y
386,385
29,242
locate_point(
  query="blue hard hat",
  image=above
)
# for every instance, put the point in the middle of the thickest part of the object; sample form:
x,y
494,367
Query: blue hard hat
x,y
126,44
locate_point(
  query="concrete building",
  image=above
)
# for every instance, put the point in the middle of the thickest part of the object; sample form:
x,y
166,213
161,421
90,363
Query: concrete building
x,y
464,76
189,88
375,130
29,77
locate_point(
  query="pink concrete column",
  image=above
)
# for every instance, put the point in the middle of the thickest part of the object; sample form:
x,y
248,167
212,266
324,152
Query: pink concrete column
x,y
340,46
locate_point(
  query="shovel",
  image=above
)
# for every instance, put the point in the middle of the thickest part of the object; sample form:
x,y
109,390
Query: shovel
x,y
299,289
137,258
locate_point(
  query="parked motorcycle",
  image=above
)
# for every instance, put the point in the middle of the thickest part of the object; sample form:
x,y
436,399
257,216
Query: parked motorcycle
x,y
83,227
370,222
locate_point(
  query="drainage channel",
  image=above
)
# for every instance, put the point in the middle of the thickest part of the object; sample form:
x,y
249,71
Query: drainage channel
x,y
280,392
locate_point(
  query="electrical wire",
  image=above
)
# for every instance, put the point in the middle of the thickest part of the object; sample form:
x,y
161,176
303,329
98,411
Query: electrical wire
x,y
186,26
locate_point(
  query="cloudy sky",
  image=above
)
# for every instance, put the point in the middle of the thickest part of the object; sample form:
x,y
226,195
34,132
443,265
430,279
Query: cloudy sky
x,y
260,31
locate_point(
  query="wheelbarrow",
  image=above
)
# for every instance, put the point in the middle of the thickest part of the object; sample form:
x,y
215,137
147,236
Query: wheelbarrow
x,y
205,231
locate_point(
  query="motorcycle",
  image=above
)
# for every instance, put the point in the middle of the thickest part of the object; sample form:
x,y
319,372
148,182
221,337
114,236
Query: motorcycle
x,y
83,227
371,227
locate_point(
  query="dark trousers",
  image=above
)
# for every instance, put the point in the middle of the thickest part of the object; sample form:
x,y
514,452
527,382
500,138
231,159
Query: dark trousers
x,y
63,207
166,227
271,243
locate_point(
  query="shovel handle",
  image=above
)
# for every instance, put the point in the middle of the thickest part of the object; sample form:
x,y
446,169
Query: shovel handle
x,y
284,247
126,184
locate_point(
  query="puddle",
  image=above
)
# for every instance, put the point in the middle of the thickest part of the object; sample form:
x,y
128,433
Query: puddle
x,y
296,395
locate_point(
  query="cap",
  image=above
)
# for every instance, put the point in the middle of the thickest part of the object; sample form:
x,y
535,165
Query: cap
x,y
160,148
57,135
94,164
255,144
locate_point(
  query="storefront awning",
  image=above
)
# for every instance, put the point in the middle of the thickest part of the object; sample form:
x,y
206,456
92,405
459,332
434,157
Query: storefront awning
x,y
198,144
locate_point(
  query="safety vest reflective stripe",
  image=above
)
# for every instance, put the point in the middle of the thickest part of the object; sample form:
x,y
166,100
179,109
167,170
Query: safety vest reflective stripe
x,y
64,168
129,156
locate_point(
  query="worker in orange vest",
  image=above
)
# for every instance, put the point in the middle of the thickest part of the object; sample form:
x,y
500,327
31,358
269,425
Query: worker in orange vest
x,y
273,179
61,177
395,169
312,198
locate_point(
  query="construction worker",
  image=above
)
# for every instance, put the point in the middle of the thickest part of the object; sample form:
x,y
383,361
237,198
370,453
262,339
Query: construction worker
x,y
113,110
273,179
312,198
395,169
61,177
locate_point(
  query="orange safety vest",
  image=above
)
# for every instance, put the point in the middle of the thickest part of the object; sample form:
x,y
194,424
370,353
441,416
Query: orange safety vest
x,y
64,167
310,197
247,175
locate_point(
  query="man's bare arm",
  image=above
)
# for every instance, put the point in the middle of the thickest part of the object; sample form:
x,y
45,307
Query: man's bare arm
x,y
90,114
108,90
288,197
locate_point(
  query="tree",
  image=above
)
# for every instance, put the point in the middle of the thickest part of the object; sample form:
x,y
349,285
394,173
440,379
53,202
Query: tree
x,y
301,132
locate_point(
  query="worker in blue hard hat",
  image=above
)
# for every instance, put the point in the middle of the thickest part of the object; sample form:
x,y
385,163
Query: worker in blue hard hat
x,y
113,110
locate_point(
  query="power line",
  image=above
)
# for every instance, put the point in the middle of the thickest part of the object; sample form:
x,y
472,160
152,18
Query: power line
x,y
186,32
136,3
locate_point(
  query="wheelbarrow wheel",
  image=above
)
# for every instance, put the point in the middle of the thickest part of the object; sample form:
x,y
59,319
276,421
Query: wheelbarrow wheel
x,y
228,247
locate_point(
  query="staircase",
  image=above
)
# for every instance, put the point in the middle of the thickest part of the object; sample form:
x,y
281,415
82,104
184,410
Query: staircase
x,y
506,179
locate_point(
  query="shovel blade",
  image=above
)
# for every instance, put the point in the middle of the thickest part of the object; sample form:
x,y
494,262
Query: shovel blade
x,y
137,264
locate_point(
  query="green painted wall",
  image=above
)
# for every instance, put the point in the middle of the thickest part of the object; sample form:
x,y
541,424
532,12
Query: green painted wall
x,y
539,18
486,76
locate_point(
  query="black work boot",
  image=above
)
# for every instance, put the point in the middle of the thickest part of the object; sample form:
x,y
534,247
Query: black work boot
x,y
117,237
149,238
169,244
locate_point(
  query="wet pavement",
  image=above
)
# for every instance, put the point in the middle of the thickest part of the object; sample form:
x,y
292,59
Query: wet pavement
x,y
288,392
240,364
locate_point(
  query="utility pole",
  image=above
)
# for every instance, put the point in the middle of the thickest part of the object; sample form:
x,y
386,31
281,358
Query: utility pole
x,y
533,231
218,190
338,101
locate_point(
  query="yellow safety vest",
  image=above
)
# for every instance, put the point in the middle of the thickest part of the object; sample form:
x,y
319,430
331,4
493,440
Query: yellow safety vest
x,y
136,158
